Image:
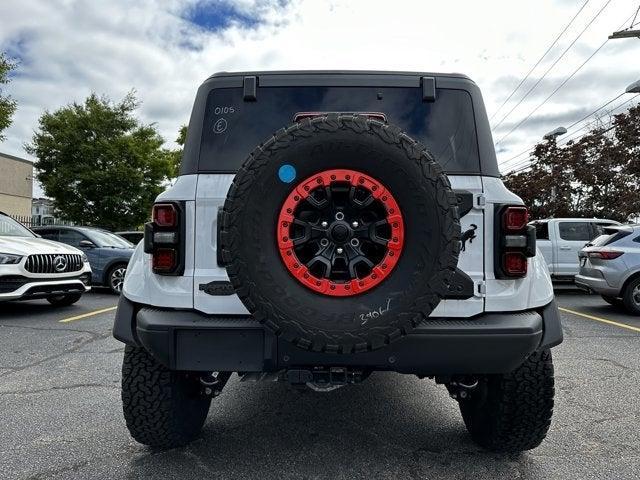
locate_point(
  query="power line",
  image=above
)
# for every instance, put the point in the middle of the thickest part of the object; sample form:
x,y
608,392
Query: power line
x,y
552,65
526,163
539,60
552,93
634,18
568,128
596,110
561,85
566,140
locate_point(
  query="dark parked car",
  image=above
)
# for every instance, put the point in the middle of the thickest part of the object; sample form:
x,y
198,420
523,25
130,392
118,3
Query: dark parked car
x,y
108,253
132,236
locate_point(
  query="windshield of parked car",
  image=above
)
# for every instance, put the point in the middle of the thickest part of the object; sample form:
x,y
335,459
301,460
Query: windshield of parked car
x,y
102,238
10,228
233,127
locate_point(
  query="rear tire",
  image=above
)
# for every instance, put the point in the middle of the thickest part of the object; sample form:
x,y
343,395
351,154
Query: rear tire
x,y
162,408
64,300
631,296
512,412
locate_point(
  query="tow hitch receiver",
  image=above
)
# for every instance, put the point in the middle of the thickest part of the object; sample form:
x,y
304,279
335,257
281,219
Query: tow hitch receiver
x,y
333,376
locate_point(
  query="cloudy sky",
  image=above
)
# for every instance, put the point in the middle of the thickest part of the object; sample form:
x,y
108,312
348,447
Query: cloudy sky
x,y
163,49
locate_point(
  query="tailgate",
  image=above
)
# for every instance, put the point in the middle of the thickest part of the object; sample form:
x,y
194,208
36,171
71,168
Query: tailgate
x,y
210,196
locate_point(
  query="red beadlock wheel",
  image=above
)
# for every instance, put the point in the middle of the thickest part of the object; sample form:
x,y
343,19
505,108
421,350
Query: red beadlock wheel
x,y
340,232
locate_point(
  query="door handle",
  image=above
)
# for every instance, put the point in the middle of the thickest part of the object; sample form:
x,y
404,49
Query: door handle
x,y
565,248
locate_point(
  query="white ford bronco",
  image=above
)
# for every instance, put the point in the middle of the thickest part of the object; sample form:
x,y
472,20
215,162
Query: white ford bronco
x,y
370,232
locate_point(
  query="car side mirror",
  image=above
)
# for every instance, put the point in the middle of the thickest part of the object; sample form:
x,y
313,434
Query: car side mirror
x,y
87,244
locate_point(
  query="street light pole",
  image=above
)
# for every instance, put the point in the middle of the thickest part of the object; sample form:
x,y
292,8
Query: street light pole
x,y
552,135
555,133
633,88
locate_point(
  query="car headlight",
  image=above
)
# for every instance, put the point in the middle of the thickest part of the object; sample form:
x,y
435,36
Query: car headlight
x,y
9,259
85,259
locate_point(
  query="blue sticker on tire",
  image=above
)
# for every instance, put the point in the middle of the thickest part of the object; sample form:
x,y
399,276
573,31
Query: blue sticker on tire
x,y
287,173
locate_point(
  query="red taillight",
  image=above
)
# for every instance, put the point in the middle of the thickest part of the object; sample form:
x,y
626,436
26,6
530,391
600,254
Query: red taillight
x,y
164,259
298,117
165,215
515,218
515,241
163,239
514,264
604,254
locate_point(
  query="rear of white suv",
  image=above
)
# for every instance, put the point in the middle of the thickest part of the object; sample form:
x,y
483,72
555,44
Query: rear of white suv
x,y
265,257
33,268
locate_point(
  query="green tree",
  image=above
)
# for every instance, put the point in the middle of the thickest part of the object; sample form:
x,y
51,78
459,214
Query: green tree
x,y
98,163
175,156
598,175
7,104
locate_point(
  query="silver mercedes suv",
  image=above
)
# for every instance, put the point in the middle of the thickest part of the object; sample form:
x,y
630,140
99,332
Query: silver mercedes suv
x,y
610,266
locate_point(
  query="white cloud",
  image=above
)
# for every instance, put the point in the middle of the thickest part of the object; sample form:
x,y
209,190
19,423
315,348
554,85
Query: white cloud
x,y
71,48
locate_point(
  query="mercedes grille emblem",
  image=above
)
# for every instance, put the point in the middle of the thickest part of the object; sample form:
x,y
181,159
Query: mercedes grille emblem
x,y
59,263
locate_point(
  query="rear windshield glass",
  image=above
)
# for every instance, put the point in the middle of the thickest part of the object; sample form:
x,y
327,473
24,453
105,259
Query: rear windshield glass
x,y
601,240
233,127
542,230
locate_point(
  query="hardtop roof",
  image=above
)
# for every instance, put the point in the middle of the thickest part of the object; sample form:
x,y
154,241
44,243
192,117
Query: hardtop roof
x,y
339,72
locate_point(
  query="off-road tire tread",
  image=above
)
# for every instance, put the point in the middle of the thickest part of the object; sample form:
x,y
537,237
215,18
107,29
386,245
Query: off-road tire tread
x,y
154,405
261,308
516,413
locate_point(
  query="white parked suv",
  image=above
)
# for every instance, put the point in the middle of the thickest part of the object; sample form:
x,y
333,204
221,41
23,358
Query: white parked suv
x,y
370,232
32,267
561,239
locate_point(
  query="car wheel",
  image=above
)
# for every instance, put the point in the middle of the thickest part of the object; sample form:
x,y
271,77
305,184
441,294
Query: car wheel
x,y
615,301
115,278
162,408
64,300
631,296
512,412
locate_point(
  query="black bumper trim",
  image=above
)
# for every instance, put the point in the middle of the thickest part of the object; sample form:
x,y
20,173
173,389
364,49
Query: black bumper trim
x,y
190,340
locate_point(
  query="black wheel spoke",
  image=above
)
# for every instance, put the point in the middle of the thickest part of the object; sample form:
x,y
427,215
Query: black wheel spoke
x,y
373,232
322,259
317,203
307,232
360,204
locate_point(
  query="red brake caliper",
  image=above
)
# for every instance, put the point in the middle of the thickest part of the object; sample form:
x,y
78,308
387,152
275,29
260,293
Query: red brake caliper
x,y
340,234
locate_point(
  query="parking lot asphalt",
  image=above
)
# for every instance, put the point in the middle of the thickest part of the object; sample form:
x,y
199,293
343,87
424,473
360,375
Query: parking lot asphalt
x,y
61,412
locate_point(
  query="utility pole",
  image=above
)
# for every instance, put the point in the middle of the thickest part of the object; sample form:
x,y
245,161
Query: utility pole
x,y
628,32
625,34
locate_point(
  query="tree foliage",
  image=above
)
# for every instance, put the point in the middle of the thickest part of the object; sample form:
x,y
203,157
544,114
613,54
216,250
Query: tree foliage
x,y
7,104
98,163
596,176
175,156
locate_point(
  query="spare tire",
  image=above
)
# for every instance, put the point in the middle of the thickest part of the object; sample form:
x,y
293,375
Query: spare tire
x,y
340,233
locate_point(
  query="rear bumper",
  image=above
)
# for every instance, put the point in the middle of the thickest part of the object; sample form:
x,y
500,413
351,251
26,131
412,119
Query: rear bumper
x,y
597,285
190,340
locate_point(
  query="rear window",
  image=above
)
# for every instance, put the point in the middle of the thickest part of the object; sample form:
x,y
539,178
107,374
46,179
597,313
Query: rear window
x,y
575,231
233,127
542,230
601,240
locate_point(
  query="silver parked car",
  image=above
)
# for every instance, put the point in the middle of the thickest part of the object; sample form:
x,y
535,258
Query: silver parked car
x,y
610,266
